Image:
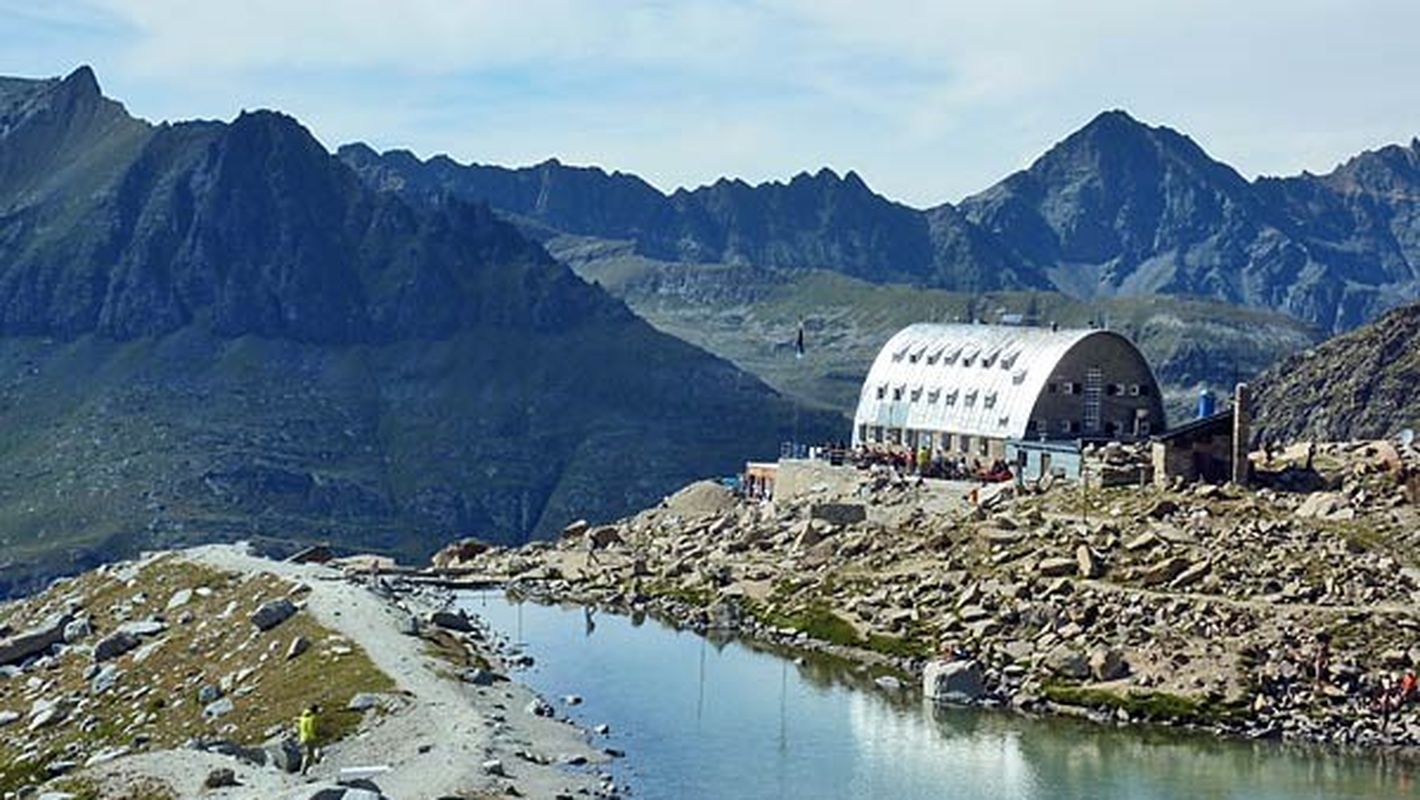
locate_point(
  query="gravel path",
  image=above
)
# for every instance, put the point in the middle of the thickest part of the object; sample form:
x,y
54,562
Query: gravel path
x,y
434,742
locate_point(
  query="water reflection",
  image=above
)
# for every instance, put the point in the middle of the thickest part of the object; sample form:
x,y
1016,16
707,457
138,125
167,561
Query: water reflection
x,y
704,717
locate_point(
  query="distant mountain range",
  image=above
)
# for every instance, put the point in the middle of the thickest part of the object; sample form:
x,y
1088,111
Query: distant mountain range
x,y
217,330
1118,208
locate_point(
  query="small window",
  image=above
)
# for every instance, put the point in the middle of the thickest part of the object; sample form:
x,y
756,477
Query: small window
x,y
966,444
863,432
897,393
970,399
1002,422
1144,390
1053,388
952,397
878,434
1134,390
946,441
1112,389
1076,388
985,445
934,395
1064,426
882,392
990,400
1032,426
1067,388
1018,377
912,359
917,394
1143,427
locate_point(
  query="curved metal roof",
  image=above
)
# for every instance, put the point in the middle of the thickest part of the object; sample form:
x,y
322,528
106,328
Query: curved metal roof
x,y
981,380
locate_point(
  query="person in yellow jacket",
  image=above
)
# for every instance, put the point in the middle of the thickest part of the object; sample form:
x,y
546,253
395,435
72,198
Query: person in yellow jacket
x,y
307,734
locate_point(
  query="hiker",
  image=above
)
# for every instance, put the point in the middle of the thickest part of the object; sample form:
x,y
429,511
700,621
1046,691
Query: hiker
x,y
307,734
1407,688
591,547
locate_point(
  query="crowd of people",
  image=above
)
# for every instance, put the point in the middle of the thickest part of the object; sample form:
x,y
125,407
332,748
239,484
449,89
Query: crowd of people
x,y
923,462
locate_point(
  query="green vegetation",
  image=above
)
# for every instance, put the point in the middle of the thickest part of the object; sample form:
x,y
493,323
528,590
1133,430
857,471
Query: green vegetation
x,y
1158,706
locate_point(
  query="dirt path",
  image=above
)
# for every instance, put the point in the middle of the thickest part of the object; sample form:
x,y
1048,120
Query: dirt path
x,y
434,742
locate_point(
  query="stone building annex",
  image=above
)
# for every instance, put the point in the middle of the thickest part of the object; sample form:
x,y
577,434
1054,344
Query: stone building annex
x,y
969,389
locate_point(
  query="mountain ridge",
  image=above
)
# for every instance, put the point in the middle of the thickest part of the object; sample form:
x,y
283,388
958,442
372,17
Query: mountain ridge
x,y
1116,208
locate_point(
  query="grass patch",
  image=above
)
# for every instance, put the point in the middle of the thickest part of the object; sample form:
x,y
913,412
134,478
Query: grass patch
x,y
1139,704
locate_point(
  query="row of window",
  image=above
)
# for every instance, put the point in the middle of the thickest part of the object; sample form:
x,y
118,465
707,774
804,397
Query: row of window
x,y
946,442
1111,427
1111,389
967,356
933,395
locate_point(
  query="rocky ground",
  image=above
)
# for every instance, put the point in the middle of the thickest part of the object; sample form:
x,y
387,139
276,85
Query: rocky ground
x,y
180,675
1192,605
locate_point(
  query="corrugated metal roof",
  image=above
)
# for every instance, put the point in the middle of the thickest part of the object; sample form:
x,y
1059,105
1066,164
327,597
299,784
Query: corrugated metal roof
x,y
985,378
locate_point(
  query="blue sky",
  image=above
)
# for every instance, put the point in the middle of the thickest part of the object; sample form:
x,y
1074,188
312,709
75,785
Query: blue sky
x,y
928,101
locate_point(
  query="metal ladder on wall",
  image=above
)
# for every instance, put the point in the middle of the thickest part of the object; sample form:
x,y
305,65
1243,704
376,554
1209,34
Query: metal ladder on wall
x,y
1094,388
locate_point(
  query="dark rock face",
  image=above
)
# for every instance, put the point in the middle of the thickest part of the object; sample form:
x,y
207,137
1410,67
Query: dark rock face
x,y
1117,208
1360,385
217,329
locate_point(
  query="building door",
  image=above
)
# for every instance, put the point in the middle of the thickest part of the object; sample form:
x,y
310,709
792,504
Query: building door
x,y
1044,465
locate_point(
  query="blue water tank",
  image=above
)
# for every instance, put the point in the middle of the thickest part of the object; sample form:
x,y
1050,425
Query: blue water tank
x,y
1205,403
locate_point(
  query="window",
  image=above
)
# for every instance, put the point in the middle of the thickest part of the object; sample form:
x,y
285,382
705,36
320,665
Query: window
x,y
1134,390
946,441
882,392
878,434
897,393
1144,427
863,432
1018,377
917,394
934,395
1032,426
1064,426
1144,390
990,400
965,444
971,398
985,445
1053,388
952,397
1112,389
1002,422
1076,388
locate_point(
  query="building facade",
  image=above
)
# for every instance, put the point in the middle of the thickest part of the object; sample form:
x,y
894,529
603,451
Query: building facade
x,y
965,390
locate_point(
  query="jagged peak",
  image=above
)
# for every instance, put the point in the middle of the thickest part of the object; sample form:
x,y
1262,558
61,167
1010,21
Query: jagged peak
x,y
82,81
358,150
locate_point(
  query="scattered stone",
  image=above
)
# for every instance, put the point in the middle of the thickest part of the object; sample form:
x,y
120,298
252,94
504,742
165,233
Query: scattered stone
x,y
219,778
272,613
364,701
1108,664
179,599
1087,564
494,767
1055,567
452,620
34,641
218,708
298,645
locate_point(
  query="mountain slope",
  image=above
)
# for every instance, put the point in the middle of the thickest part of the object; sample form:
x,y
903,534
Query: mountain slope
x,y
1360,385
217,330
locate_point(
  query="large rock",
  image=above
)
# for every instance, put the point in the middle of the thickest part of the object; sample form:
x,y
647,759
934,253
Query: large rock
x,y
143,628
1056,566
1068,663
452,620
958,681
1087,563
34,641
604,536
114,645
272,613
1321,505
1108,664
459,553
840,514
284,755
1161,572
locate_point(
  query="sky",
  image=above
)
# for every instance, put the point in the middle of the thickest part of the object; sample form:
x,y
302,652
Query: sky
x,y
927,101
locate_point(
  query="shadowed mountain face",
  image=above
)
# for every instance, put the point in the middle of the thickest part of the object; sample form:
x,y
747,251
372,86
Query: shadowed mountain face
x,y
1360,385
214,329
1118,208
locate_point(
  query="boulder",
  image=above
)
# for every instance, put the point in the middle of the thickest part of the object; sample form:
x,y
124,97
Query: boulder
x,y
272,613
957,681
77,630
1321,505
364,701
218,708
452,620
1087,563
1055,567
284,754
604,536
114,645
179,599
575,529
1108,664
143,628
840,514
1163,571
459,553
208,693
219,778
46,712
1068,663
8,717
298,645
480,677
105,680
34,641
